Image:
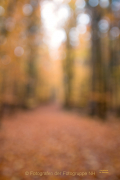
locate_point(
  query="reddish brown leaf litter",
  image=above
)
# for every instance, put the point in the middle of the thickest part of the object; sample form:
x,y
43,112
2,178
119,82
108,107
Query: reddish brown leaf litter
x,y
49,139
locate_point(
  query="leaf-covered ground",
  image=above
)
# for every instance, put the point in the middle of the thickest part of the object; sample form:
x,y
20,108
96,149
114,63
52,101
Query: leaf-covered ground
x,y
49,139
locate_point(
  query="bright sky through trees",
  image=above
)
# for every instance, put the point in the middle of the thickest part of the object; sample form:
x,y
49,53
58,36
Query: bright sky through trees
x,y
53,19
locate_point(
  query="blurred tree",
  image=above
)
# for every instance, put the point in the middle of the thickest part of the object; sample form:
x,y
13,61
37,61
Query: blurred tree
x,y
19,41
33,35
98,102
69,59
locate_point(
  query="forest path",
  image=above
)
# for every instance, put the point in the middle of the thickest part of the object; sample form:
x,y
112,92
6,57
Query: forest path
x,y
51,139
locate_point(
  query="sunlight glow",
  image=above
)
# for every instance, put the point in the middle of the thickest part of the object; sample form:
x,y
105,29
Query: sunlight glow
x,y
19,51
58,37
81,29
53,19
104,3
80,4
115,5
93,3
27,9
83,19
63,13
103,25
114,32
58,1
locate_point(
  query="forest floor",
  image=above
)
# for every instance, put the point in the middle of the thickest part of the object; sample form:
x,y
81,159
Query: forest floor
x,y
48,143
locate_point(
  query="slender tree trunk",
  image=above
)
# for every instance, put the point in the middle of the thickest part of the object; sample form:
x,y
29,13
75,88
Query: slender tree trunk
x,y
98,101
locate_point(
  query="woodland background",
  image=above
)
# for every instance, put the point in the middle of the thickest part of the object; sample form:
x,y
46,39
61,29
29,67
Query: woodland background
x,y
59,87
